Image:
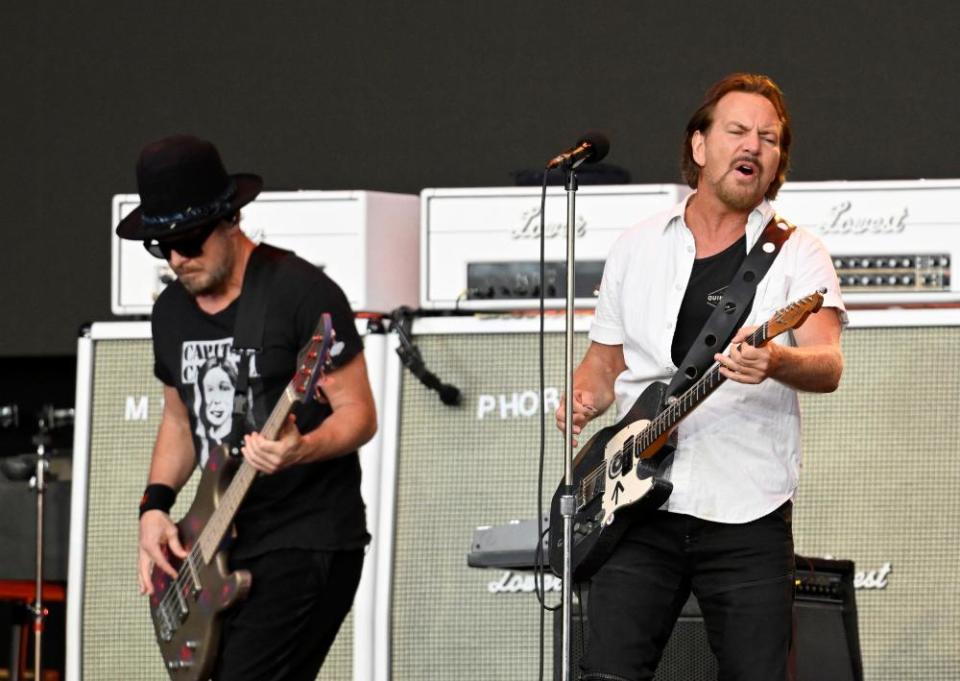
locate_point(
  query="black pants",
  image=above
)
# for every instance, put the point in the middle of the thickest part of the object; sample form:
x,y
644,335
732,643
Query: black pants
x,y
297,602
742,576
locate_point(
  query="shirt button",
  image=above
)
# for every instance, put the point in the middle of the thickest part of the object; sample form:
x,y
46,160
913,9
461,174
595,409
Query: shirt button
x,y
669,325
689,249
679,287
670,370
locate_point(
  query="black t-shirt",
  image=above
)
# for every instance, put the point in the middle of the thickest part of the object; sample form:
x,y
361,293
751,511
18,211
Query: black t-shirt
x,y
708,282
312,506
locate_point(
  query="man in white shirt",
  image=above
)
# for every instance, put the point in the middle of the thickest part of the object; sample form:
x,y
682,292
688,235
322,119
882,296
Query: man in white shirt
x,y
725,532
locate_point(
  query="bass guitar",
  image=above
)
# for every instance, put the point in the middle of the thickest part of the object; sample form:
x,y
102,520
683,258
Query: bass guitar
x,y
186,610
619,473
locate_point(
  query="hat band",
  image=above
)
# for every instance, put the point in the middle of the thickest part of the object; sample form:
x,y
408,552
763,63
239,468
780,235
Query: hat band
x,y
218,206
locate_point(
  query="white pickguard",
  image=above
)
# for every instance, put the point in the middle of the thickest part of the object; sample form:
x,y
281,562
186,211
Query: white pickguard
x,y
622,490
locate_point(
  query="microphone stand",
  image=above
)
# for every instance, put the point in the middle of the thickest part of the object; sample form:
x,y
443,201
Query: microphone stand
x,y
567,499
49,420
37,609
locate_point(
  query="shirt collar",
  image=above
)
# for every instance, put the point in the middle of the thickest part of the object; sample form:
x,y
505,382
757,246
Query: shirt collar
x,y
756,221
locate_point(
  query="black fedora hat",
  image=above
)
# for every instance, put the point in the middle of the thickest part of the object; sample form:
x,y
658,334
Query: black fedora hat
x,y
183,185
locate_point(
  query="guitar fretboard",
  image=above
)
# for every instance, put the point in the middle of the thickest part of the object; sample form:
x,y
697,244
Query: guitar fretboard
x,y
222,517
677,409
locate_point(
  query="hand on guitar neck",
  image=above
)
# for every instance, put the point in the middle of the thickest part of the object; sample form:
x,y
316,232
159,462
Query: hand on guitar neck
x,y
270,456
746,363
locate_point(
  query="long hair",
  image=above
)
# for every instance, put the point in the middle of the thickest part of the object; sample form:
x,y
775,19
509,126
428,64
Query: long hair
x,y
702,119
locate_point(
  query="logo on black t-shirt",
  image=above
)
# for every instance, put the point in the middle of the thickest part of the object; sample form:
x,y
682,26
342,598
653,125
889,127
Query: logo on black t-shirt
x,y
713,298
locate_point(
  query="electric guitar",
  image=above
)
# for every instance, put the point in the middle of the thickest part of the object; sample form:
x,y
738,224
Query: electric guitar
x,y
186,611
618,474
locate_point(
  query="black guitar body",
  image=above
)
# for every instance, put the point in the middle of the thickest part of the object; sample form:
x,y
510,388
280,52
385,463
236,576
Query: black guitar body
x,y
594,541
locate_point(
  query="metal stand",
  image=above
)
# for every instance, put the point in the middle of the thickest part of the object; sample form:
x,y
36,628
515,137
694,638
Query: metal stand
x,y
567,504
39,483
48,420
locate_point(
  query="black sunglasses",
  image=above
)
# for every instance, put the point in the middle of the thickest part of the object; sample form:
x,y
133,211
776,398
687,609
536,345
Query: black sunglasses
x,y
189,245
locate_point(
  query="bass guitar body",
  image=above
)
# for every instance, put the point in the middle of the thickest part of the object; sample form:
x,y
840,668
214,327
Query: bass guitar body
x,y
186,611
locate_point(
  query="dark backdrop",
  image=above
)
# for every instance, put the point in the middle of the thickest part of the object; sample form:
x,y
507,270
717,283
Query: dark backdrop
x,y
400,96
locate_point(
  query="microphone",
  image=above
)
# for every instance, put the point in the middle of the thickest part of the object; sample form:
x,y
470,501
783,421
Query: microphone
x,y
590,148
412,359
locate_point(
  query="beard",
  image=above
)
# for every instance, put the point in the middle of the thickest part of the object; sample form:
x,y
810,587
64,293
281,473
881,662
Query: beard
x,y
740,196
199,282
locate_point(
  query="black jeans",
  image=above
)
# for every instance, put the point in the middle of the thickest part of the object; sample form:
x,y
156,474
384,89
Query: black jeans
x,y
297,602
742,576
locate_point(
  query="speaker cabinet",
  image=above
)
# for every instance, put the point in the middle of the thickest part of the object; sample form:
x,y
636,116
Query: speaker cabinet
x,y
109,633
880,474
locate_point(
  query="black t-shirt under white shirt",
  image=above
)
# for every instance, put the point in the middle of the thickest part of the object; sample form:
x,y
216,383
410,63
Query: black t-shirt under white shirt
x,y
709,279
311,506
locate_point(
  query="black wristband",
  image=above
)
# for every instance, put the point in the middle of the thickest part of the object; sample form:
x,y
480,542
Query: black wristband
x,y
157,497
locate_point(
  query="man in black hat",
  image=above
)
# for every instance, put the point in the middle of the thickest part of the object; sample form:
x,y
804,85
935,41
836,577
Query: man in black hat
x,y
300,531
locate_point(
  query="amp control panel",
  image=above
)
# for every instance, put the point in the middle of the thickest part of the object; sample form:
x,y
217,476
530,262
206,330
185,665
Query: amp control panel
x,y
893,272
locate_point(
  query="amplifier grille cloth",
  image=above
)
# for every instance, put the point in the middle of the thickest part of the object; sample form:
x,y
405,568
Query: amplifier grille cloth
x,y
117,640
879,485
457,471
899,396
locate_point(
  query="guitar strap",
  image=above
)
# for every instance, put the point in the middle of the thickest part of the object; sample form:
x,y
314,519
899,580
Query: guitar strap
x,y
721,324
248,328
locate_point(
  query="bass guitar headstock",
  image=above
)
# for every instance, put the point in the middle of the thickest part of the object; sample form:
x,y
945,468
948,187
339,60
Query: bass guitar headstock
x,y
314,359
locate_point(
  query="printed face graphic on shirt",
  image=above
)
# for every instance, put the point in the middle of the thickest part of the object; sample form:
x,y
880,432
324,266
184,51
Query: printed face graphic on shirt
x,y
218,386
211,367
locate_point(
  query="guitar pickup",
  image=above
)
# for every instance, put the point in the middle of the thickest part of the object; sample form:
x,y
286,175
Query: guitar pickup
x,y
628,454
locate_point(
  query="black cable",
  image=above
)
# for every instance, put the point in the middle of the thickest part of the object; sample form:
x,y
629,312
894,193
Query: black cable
x,y
538,571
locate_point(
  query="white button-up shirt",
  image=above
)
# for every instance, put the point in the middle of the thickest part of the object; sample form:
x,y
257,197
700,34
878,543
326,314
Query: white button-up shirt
x,y
738,454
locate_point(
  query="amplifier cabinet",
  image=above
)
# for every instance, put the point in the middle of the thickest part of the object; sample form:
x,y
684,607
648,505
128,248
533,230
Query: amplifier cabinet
x,y
480,247
879,487
892,242
446,470
366,241
118,405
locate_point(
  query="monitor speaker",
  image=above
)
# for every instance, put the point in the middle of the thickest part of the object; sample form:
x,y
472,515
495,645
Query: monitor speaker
x,y
686,657
824,644
879,482
110,636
